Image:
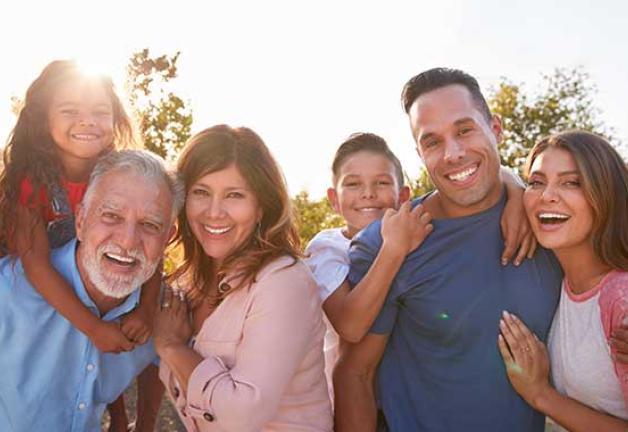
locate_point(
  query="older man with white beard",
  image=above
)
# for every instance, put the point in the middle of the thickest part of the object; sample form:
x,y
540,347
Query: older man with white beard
x,y
52,378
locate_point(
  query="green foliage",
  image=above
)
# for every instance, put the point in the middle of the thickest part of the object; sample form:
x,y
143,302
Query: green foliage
x,y
421,185
165,120
565,101
314,216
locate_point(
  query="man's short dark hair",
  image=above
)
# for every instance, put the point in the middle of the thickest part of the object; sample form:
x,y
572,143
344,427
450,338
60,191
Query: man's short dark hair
x,y
436,78
364,141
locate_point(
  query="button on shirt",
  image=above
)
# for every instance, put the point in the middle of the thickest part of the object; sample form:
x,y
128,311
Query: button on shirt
x,y
53,378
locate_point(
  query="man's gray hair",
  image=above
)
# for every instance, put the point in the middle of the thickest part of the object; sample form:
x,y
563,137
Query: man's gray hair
x,y
144,164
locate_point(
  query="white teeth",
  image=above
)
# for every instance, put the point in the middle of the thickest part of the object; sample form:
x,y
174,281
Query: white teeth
x,y
127,260
84,136
553,216
216,230
368,209
463,175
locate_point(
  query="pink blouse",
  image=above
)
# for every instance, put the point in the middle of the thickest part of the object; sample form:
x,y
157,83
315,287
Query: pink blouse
x,y
263,367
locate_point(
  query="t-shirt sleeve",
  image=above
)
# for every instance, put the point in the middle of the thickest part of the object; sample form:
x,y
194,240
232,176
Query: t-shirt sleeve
x,y
329,264
614,310
364,248
26,194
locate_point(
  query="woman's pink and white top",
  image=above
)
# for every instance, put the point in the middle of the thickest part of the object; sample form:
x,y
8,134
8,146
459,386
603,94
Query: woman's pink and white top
x,y
581,357
263,367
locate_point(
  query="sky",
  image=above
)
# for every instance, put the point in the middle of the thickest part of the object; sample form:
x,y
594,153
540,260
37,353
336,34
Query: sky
x,y
305,75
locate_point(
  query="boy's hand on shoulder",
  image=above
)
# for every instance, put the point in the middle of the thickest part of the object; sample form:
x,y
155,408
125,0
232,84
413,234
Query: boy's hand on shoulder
x,y
405,229
137,325
108,338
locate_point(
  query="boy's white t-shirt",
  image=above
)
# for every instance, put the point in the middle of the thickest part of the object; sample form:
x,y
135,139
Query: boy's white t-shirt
x,y
327,256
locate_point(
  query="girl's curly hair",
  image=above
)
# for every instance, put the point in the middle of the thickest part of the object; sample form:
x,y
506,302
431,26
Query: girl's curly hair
x,y
30,150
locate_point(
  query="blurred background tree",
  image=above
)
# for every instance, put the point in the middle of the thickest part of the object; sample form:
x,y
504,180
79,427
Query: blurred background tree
x,y
314,216
564,101
165,120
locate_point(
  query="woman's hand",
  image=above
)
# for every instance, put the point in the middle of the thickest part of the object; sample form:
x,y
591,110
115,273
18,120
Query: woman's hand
x,y
172,321
526,359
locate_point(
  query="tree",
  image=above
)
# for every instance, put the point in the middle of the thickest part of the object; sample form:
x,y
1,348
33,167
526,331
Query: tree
x,y
421,185
314,216
165,120
565,101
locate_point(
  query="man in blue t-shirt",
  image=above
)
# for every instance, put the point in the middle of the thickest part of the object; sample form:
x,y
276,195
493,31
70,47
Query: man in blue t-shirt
x,y
435,339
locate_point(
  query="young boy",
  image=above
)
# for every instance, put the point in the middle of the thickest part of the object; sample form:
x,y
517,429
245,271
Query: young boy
x,y
367,185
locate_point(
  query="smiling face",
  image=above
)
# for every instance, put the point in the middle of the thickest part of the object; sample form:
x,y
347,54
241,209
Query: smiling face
x,y
458,146
366,186
80,120
122,232
559,213
222,212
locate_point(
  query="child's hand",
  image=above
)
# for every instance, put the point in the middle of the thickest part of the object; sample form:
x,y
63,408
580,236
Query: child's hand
x,y
137,325
406,228
518,236
172,323
108,338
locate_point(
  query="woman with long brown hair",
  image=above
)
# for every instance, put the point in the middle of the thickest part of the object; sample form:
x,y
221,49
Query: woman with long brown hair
x,y
241,340
577,204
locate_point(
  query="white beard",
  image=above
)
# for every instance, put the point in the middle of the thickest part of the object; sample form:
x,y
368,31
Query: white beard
x,y
112,285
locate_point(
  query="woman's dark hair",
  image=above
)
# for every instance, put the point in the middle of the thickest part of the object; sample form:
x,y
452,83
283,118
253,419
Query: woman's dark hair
x,y
605,185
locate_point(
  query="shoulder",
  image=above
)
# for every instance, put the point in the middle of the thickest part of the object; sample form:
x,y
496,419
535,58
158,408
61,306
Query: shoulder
x,y
326,245
371,236
284,270
286,281
613,300
332,237
614,289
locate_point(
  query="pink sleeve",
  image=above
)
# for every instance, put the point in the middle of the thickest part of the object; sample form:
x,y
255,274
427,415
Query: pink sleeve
x,y
277,332
614,309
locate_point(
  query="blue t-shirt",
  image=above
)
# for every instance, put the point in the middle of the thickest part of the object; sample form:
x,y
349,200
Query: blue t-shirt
x,y
53,377
441,370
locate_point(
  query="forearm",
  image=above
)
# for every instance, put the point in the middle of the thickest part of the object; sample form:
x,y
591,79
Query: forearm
x,y
58,293
354,405
182,360
575,416
150,391
362,304
512,182
149,296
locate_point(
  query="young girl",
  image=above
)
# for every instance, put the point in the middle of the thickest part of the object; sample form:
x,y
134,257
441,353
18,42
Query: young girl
x,y
368,185
68,120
